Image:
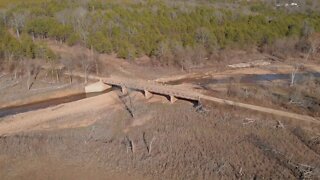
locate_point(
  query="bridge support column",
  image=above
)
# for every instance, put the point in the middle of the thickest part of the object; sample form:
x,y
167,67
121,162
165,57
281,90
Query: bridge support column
x,y
173,99
124,90
147,94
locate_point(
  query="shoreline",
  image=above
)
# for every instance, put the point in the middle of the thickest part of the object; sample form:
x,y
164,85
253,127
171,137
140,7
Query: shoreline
x,y
43,97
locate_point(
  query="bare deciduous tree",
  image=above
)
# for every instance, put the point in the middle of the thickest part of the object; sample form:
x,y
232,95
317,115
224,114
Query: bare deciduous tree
x,y
95,59
18,21
69,64
86,64
4,15
32,72
81,22
63,16
202,35
307,30
293,74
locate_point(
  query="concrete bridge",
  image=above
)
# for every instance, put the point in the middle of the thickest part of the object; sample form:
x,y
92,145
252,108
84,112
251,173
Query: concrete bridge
x,y
173,92
150,87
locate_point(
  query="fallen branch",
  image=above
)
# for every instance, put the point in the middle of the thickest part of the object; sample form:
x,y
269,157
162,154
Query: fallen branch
x,y
315,140
201,109
240,172
305,170
150,145
3,75
129,144
299,103
279,125
220,167
248,121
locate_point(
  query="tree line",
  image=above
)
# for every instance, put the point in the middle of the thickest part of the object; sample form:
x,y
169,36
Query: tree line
x,y
147,27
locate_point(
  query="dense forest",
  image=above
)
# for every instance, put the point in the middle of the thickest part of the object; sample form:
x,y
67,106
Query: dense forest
x,y
160,29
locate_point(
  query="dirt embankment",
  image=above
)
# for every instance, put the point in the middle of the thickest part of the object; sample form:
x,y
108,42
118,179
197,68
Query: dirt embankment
x,y
70,115
42,97
15,92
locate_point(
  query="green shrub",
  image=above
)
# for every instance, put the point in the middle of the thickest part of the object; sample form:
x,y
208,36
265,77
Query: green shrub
x,y
100,42
73,39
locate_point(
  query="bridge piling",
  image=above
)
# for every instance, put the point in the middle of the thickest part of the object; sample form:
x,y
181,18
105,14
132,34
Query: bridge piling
x,y
124,90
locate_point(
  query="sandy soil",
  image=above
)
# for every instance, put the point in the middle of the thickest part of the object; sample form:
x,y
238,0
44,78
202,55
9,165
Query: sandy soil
x,y
70,115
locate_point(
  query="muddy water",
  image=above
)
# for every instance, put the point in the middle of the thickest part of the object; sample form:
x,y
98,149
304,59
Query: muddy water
x,y
248,78
46,103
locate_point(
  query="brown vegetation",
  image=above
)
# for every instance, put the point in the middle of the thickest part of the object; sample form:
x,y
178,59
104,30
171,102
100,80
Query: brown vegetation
x,y
177,142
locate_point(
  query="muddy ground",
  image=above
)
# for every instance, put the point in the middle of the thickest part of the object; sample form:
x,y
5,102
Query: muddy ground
x,y
134,138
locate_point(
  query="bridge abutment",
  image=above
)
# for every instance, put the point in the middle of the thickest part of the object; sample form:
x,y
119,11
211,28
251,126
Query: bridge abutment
x,y
173,99
96,87
147,94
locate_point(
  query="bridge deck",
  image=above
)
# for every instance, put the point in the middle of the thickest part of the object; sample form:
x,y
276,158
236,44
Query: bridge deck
x,y
153,87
